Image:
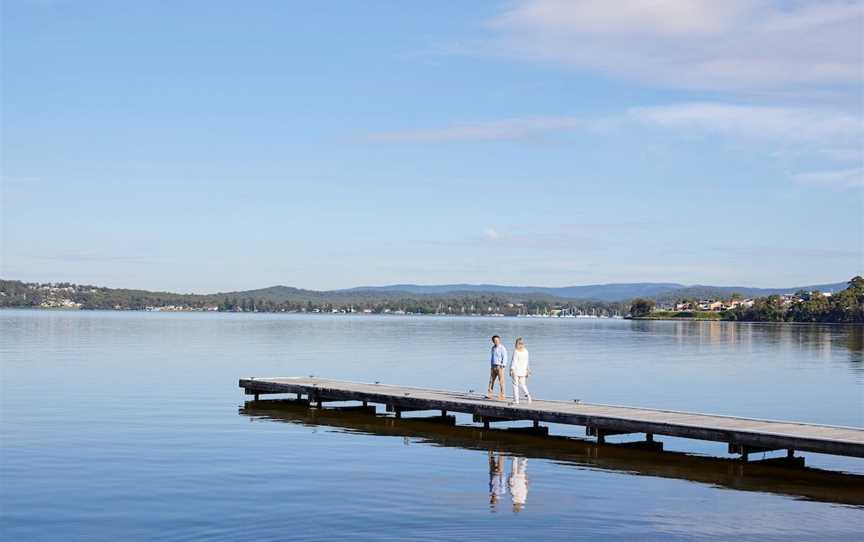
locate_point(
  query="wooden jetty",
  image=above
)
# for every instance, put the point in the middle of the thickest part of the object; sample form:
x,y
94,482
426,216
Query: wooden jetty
x,y
743,435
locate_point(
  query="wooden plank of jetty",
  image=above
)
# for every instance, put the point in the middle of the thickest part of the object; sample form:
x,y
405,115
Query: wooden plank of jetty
x,y
743,435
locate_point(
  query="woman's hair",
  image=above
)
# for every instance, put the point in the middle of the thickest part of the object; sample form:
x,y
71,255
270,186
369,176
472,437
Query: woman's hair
x,y
519,340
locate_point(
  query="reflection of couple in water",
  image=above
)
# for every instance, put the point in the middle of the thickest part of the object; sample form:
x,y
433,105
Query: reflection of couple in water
x,y
517,482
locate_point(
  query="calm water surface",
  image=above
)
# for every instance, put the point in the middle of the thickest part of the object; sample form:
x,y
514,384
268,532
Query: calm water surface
x,y
131,425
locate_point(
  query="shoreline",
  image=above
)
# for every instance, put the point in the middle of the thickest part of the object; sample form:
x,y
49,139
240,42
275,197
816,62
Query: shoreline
x,y
690,319
322,313
412,315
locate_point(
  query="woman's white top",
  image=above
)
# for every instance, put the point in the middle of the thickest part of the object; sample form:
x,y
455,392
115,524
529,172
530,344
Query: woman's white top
x,y
519,363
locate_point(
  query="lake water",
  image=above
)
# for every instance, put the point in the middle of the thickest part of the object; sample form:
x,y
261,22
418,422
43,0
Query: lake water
x,y
131,425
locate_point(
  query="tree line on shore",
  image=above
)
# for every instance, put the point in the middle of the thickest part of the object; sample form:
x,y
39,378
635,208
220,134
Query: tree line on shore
x,y
20,294
845,306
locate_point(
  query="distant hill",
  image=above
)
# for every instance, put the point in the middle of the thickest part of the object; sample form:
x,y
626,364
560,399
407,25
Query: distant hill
x,y
15,293
599,292
283,294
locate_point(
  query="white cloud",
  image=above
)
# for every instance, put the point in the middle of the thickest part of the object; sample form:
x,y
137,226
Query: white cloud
x,y
495,130
843,178
779,124
692,43
674,17
773,123
491,234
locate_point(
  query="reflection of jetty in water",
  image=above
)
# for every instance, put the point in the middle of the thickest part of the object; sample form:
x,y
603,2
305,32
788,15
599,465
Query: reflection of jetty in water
x,y
805,483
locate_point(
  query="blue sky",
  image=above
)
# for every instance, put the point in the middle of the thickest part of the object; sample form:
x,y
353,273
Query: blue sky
x,y
206,146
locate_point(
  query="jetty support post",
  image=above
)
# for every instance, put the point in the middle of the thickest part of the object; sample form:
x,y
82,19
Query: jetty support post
x,y
486,420
601,433
257,393
397,410
789,460
745,450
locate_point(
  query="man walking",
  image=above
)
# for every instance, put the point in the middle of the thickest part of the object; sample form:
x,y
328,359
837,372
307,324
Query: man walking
x,y
499,360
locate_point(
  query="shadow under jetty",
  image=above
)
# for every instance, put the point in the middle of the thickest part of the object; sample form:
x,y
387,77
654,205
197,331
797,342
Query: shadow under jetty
x,y
648,460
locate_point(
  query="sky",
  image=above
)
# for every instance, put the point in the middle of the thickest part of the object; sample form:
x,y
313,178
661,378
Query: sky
x,y
201,146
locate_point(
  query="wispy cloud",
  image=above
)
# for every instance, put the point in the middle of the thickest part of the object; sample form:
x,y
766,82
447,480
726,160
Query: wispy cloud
x,y
773,123
787,132
844,131
773,252
843,178
844,154
6,181
738,44
793,132
492,130
91,257
612,228
570,236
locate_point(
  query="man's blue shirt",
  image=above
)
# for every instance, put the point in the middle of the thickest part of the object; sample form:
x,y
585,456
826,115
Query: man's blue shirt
x,y
499,356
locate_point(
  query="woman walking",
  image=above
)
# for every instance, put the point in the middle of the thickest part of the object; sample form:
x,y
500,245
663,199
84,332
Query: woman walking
x,y
519,370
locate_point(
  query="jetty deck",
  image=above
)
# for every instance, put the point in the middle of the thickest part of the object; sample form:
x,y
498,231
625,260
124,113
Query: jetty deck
x,y
743,435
